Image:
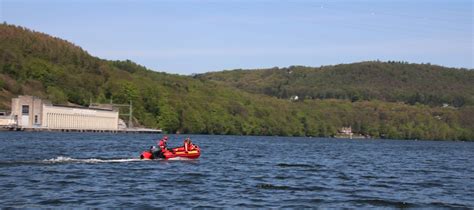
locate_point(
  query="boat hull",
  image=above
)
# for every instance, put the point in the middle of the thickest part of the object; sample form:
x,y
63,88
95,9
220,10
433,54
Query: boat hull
x,y
171,154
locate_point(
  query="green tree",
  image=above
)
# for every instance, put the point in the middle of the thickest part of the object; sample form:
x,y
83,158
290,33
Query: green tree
x,y
56,95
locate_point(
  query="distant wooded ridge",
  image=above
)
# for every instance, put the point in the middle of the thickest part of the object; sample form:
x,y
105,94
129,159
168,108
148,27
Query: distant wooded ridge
x,y
387,81
378,99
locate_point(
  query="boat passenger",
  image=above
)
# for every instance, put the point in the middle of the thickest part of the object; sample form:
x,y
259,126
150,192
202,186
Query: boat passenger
x,y
186,144
191,145
163,143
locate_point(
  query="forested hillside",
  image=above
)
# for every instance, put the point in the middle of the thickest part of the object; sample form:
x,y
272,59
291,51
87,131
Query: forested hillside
x,y
37,64
387,81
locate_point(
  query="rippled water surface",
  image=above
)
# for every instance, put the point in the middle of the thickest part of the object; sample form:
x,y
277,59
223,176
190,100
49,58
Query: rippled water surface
x,y
102,170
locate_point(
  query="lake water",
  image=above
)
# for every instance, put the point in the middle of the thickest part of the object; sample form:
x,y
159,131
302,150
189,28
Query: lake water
x,y
102,170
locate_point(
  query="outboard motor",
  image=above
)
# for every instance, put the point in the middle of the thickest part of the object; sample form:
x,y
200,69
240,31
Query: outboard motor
x,y
146,155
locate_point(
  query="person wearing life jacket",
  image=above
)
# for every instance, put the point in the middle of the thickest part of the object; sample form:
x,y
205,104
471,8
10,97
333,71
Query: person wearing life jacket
x,y
163,143
186,144
191,145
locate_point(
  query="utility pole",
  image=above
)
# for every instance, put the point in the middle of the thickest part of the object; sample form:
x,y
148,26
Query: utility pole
x,y
130,116
130,111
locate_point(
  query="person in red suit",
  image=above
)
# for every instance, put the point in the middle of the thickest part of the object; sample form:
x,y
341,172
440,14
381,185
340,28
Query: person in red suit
x,y
163,144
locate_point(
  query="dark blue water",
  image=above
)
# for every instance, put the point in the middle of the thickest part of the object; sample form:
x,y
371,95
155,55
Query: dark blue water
x,y
101,170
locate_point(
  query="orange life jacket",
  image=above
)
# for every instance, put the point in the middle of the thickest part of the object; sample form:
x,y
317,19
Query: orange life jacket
x,y
191,146
162,144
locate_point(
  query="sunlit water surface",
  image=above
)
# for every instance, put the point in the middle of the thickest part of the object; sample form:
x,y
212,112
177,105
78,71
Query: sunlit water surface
x,y
102,170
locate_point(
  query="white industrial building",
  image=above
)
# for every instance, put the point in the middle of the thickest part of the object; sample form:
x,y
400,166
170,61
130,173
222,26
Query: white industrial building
x,y
29,112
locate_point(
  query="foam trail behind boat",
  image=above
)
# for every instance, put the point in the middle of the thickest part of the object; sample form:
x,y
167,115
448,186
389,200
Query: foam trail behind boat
x,y
63,159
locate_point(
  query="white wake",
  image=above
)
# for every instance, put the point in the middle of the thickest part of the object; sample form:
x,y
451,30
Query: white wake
x,y
63,159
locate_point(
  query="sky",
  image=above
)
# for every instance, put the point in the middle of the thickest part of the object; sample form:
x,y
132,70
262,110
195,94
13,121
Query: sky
x,y
197,36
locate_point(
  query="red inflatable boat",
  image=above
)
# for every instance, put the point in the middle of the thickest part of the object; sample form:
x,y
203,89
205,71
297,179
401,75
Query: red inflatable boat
x,y
178,152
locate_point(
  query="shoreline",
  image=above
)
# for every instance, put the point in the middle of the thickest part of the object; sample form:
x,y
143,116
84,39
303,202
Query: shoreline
x,y
154,131
131,130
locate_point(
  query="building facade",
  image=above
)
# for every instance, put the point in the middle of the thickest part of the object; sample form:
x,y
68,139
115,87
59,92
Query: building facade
x,y
33,112
5,120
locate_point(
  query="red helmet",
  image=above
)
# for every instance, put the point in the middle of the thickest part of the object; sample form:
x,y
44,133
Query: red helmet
x,y
165,138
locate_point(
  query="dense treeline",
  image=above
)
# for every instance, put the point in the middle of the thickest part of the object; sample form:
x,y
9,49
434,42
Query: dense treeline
x,y
36,64
387,81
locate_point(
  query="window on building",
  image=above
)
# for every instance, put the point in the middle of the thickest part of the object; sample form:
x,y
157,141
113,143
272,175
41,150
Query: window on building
x,y
36,119
25,109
